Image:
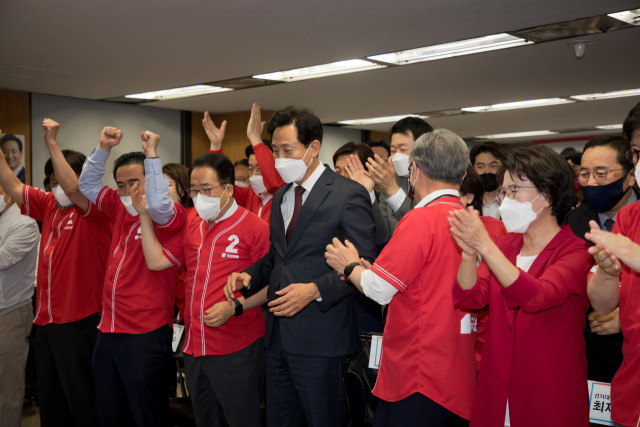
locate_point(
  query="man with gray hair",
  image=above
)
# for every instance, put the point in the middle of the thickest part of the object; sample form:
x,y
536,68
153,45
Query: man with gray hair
x,y
427,369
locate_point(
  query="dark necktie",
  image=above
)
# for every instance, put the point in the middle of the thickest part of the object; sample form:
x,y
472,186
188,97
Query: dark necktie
x,y
608,224
296,211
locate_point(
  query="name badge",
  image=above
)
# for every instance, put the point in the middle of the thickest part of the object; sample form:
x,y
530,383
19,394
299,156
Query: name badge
x,y
376,350
178,330
600,403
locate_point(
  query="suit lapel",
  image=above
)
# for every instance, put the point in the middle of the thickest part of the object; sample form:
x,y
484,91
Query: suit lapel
x,y
315,198
278,233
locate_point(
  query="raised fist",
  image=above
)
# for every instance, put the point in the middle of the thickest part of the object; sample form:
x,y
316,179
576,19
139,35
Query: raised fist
x,y
109,138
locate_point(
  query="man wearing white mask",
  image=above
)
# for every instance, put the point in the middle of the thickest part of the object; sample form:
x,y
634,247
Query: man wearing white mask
x,y
133,349
310,326
223,347
391,176
71,267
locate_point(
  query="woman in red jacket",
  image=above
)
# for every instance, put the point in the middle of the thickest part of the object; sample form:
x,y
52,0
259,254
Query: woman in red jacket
x,y
534,368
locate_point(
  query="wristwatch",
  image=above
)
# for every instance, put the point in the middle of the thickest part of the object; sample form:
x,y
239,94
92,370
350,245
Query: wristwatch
x,y
239,307
349,269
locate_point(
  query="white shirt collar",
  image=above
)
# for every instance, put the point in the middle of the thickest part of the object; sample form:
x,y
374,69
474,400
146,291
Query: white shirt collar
x,y
434,195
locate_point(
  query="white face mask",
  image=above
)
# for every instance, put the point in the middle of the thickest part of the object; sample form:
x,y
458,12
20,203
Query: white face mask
x,y
3,203
128,205
61,197
517,216
241,184
401,164
208,207
637,173
292,170
257,183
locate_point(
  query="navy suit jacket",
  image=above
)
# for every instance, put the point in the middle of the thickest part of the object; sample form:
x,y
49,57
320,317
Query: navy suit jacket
x,y
335,207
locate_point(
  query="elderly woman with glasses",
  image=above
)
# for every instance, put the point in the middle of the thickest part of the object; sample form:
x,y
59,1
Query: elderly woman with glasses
x,y
534,368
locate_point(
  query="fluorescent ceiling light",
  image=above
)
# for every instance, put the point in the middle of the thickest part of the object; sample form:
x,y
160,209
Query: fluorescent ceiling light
x,y
517,105
179,92
448,50
607,95
518,134
609,127
630,16
385,119
324,70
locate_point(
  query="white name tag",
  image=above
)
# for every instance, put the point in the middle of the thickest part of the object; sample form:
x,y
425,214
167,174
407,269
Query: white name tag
x,y
600,403
376,350
177,334
468,324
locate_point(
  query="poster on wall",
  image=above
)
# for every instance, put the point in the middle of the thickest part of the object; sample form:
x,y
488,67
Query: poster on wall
x,y
13,149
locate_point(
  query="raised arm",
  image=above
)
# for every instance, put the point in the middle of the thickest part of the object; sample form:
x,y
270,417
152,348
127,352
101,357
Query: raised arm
x,y
215,134
270,176
66,177
9,181
90,182
151,247
160,207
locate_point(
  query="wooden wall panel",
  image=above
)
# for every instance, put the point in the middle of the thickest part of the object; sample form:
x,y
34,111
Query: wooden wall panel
x,y
235,139
15,117
377,136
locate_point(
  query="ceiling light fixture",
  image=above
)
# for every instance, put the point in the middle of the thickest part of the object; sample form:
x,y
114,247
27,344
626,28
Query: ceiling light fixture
x,y
607,95
179,92
374,120
448,50
609,127
517,105
324,70
629,16
518,134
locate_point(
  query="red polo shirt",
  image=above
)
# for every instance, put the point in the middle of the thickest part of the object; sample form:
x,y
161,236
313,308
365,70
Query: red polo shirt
x,y
71,259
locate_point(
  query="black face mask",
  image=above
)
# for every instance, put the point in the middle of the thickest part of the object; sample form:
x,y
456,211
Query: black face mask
x,y
603,198
489,181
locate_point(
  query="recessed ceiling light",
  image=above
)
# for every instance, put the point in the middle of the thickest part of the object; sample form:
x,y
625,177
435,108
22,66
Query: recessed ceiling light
x,y
607,95
629,16
373,120
324,70
518,104
518,134
448,50
609,127
179,92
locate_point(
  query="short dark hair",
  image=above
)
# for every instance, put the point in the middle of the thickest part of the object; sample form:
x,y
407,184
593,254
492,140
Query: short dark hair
x,y
621,145
632,122
241,162
575,158
491,147
249,150
363,151
548,171
180,175
219,163
472,184
411,125
74,158
380,143
10,137
307,124
132,158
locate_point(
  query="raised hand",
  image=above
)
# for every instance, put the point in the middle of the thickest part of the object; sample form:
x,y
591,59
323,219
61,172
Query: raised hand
x,y
468,230
50,129
619,246
383,174
255,126
215,134
150,143
109,138
138,199
355,171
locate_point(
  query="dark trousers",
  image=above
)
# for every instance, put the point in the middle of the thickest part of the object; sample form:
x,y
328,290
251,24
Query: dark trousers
x,y
227,389
132,378
304,388
66,392
415,410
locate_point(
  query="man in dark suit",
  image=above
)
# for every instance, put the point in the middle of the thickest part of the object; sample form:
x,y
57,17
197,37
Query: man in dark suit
x,y
607,181
310,325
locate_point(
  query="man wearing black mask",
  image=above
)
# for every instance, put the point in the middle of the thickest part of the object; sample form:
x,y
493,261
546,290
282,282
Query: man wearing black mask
x,y
486,159
607,181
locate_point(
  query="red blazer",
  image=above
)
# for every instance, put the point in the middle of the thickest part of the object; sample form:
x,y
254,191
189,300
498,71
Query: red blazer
x,y
535,351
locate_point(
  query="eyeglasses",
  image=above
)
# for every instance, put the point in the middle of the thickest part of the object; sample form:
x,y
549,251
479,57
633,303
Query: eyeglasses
x,y
600,175
509,191
204,191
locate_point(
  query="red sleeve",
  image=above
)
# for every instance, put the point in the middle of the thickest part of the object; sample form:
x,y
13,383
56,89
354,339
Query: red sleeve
x,y
36,202
397,264
93,214
267,163
215,151
177,221
564,276
109,202
242,195
261,242
476,297
173,250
